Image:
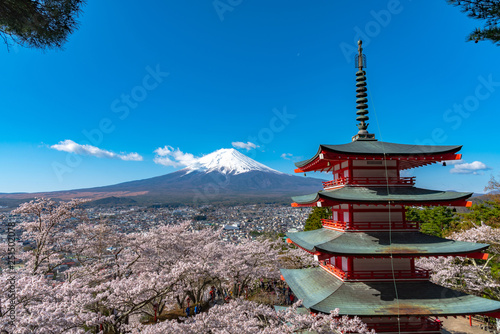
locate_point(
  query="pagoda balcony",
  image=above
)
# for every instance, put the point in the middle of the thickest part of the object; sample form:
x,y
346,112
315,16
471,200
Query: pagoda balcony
x,y
333,270
362,275
371,226
371,181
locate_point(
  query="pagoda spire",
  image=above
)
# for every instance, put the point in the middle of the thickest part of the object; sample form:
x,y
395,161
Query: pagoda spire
x,y
361,99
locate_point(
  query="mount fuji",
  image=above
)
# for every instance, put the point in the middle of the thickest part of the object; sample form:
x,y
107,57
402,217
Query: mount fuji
x,y
228,161
223,176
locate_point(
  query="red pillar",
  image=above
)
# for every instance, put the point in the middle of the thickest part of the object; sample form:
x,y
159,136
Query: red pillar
x,y
155,307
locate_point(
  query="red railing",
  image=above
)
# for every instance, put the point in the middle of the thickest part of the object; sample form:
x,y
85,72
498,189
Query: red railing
x,y
334,224
398,274
333,270
364,275
426,325
361,226
333,183
407,181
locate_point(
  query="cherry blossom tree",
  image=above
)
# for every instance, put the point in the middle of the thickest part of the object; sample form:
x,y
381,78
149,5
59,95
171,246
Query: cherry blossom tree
x,y
248,262
120,276
40,305
45,224
467,274
292,257
241,316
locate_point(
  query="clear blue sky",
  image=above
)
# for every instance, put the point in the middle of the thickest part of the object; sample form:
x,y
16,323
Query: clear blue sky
x,y
138,76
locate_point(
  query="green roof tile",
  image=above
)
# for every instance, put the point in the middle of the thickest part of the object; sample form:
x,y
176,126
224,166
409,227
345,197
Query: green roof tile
x,y
382,194
381,243
363,147
322,284
322,292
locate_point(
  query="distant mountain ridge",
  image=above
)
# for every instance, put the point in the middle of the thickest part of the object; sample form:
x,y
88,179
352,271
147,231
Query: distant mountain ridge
x,y
225,175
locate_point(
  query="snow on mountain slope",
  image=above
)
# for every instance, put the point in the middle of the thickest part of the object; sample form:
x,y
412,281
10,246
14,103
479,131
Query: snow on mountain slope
x,y
228,161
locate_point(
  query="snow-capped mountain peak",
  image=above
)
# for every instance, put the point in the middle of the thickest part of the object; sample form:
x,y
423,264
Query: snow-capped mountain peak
x,y
228,161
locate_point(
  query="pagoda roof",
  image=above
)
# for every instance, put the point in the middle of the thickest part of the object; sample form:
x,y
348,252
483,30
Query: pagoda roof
x,y
375,147
320,291
410,155
381,243
372,195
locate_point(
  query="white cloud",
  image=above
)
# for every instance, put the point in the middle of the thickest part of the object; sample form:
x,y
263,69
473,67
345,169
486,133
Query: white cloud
x,y
167,156
247,146
72,147
287,156
454,162
131,157
475,167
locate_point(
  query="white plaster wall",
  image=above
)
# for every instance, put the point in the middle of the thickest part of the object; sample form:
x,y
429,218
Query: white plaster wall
x,y
344,263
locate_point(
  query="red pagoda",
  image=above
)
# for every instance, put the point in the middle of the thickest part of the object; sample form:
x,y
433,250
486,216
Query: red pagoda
x,y
367,250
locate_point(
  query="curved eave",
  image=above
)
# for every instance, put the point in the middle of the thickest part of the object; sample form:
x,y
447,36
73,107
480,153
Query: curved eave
x,y
322,292
375,244
382,195
410,156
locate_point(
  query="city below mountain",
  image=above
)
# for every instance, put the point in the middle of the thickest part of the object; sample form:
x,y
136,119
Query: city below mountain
x,y
223,176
